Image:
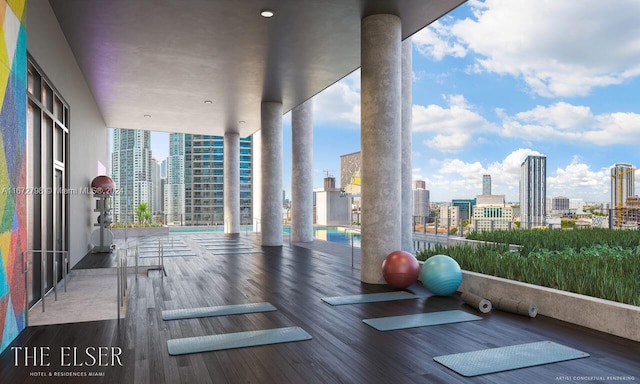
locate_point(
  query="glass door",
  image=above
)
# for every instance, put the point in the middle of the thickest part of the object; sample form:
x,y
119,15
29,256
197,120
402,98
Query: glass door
x,y
47,183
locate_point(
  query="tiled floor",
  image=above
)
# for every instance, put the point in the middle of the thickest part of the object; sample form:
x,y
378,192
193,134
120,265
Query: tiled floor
x,y
91,295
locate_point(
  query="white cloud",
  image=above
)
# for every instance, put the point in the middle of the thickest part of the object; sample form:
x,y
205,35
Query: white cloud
x,y
340,102
615,128
437,42
509,169
576,178
454,127
449,143
563,116
558,48
563,121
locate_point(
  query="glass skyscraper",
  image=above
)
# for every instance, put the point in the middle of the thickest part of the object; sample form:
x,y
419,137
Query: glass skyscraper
x,y
622,184
194,193
486,184
533,191
174,185
131,172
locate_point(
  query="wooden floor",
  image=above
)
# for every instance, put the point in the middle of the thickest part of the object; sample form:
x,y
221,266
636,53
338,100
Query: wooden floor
x,y
343,349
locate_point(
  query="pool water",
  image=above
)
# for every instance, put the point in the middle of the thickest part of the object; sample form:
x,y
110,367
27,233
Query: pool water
x,y
337,235
333,234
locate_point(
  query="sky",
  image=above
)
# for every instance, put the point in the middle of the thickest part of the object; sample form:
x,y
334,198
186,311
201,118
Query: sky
x,y
495,81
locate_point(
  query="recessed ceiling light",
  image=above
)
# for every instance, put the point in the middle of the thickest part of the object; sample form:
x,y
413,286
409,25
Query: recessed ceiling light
x,y
208,101
266,13
241,121
147,116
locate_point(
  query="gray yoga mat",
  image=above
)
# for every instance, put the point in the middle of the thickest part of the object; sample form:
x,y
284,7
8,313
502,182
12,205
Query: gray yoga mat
x,y
369,298
223,310
154,255
507,358
218,253
420,320
235,340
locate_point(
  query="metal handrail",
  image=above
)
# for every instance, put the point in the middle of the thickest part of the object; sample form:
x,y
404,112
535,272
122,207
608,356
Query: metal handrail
x,y
120,256
43,253
352,250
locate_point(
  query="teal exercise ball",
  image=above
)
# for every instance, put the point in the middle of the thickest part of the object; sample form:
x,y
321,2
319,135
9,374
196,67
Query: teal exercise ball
x,y
441,275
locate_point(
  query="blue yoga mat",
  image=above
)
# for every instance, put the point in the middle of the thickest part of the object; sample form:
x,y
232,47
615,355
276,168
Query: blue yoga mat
x,y
420,320
369,298
235,340
223,310
507,358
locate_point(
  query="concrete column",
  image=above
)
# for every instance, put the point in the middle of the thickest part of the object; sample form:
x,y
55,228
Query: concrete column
x,y
271,215
381,143
256,180
407,168
231,183
302,172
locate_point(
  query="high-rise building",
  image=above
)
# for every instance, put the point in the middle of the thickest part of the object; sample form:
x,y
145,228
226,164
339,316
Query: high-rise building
x,y
174,186
622,184
131,172
449,216
197,171
533,191
421,207
486,184
465,207
560,205
349,168
419,184
163,169
492,213
156,205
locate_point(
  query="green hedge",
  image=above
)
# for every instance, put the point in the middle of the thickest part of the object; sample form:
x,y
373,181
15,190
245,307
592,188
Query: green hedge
x,y
593,262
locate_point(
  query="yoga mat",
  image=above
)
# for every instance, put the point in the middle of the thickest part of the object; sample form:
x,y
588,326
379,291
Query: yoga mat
x,y
481,304
508,358
514,306
235,340
223,310
369,298
234,252
143,255
419,320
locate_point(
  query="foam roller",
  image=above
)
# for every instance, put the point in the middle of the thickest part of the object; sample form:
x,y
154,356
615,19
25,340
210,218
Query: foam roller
x,y
481,304
517,307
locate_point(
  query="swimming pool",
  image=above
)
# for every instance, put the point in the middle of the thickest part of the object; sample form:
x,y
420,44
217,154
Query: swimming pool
x,y
334,234
337,235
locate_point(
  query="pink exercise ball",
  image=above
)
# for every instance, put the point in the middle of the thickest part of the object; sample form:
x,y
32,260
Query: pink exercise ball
x,y
400,269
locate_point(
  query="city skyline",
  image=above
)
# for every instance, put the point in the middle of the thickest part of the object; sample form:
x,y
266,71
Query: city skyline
x,y
491,87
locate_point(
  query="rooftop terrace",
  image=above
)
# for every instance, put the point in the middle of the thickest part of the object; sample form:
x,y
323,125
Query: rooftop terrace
x,y
294,278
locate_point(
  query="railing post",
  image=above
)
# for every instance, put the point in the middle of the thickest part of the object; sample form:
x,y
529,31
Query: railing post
x,y
124,272
352,252
118,277
43,273
137,255
54,266
65,265
25,271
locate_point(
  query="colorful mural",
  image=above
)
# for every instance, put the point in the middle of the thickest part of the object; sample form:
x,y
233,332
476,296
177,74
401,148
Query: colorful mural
x,y
13,88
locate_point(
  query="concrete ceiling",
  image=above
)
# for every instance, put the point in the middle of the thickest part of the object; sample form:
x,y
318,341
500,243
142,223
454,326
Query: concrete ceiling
x,y
164,58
